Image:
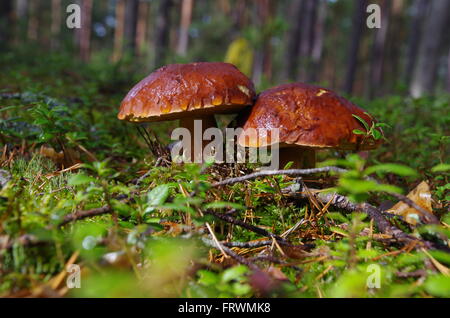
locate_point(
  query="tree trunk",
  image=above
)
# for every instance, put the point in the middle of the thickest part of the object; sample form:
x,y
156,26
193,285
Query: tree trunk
x,y
224,6
394,52
33,20
6,18
448,72
262,62
141,32
85,31
162,32
119,30
358,26
20,14
307,37
185,23
130,31
419,8
425,70
317,45
56,23
379,43
294,33
21,8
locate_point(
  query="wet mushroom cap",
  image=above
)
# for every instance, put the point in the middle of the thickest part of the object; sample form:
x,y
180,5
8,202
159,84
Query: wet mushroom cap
x,y
308,116
187,90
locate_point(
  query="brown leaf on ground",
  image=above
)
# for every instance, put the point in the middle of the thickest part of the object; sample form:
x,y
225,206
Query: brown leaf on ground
x,y
421,195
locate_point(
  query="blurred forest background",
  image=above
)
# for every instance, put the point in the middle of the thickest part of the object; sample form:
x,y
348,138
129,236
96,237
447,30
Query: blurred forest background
x,y
321,41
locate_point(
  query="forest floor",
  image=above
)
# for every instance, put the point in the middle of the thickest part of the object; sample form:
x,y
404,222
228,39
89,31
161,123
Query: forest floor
x,y
81,190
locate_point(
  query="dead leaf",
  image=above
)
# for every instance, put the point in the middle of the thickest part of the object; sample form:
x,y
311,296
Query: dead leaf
x,y
276,273
421,195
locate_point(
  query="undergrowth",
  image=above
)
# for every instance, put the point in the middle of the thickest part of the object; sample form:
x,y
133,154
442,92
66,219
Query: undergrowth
x,y
63,150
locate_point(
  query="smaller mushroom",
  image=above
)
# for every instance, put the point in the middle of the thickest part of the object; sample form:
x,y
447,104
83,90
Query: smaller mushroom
x,y
308,118
189,92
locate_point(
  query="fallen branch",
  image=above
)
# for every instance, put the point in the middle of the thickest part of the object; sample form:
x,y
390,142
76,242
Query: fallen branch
x,y
344,203
230,253
288,172
250,227
299,172
79,215
248,244
254,244
24,240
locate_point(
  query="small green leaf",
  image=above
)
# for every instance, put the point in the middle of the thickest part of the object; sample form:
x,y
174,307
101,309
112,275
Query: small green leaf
x,y
441,256
222,204
157,197
400,170
80,179
355,186
208,278
442,167
376,134
234,273
358,132
7,108
438,285
362,122
382,125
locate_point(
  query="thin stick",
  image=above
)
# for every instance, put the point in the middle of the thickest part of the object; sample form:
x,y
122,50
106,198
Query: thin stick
x,y
298,172
79,215
265,173
216,240
344,203
232,254
229,219
247,244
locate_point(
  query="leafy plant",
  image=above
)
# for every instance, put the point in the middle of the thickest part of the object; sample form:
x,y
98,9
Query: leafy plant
x,y
371,131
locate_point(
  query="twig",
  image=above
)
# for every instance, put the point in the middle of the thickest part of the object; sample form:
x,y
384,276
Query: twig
x,y
24,240
82,214
216,240
248,244
298,172
265,173
232,254
250,227
271,259
344,203
254,244
294,228
416,273
79,215
141,178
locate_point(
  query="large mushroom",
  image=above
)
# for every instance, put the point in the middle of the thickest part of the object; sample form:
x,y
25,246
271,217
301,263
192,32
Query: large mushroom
x,y
189,92
308,118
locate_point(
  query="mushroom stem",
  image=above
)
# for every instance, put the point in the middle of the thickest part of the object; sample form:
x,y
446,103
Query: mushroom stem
x,y
195,153
303,157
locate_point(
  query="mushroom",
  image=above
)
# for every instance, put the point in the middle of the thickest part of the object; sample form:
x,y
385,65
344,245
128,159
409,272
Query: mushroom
x,y
308,118
189,92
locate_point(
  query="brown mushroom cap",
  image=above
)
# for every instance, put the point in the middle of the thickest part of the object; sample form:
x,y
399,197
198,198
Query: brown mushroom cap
x,y
308,116
185,90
